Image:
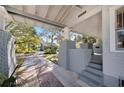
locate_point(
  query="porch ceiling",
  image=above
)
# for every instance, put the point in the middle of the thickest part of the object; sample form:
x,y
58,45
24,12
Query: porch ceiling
x,y
50,15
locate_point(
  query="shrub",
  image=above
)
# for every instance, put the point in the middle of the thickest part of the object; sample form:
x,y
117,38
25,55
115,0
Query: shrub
x,y
50,50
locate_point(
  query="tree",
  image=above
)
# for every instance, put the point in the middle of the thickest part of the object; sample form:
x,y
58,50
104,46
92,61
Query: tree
x,y
52,35
60,38
76,37
26,37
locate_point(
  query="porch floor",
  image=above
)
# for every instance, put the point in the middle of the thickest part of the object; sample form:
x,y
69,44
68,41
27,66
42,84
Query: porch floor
x,y
39,72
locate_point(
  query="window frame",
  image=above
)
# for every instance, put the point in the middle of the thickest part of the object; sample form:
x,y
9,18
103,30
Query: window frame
x,y
113,32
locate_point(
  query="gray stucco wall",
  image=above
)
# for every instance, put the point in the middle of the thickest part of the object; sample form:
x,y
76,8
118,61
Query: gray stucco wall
x,y
79,59
73,59
64,53
113,62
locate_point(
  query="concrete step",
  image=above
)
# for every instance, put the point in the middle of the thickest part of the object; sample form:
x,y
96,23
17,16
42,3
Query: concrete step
x,y
93,77
96,57
95,66
96,62
95,71
89,81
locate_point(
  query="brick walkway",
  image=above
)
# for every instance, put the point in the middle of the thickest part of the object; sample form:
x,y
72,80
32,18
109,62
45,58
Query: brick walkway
x,y
35,73
49,80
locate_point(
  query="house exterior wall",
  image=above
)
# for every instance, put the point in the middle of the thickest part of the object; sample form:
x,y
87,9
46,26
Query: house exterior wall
x,y
113,62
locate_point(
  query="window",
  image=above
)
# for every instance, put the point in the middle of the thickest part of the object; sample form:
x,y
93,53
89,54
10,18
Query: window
x,y
119,28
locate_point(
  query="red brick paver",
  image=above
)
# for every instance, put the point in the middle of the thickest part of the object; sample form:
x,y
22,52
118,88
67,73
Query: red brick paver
x,y
49,80
36,74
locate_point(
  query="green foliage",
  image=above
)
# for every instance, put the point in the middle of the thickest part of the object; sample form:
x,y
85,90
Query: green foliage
x,y
2,78
10,82
85,39
89,39
26,37
50,51
78,40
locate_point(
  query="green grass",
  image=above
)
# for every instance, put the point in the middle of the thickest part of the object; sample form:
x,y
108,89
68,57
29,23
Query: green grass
x,y
52,57
20,60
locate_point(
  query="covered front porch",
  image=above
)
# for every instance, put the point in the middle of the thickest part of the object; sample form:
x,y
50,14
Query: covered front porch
x,y
99,65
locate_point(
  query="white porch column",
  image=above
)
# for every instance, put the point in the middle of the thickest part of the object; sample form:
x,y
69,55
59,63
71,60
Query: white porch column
x,y
64,49
66,33
3,18
7,49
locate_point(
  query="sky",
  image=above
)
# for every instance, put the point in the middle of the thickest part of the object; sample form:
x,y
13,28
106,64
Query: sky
x,y
38,29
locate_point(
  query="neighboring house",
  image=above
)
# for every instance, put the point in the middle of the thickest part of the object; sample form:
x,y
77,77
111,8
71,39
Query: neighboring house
x,y
103,22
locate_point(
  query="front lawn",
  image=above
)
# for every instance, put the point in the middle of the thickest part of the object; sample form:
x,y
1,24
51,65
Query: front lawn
x,y
52,57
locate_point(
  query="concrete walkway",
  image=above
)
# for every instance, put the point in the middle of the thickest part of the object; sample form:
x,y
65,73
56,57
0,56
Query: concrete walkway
x,y
39,72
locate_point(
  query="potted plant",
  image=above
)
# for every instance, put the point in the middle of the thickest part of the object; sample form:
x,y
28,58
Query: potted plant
x,y
11,81
85,41
89,40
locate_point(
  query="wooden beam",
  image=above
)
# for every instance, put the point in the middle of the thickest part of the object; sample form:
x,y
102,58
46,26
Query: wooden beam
x,y
67,12
37,10
17,12
60,11
48,11
65,9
